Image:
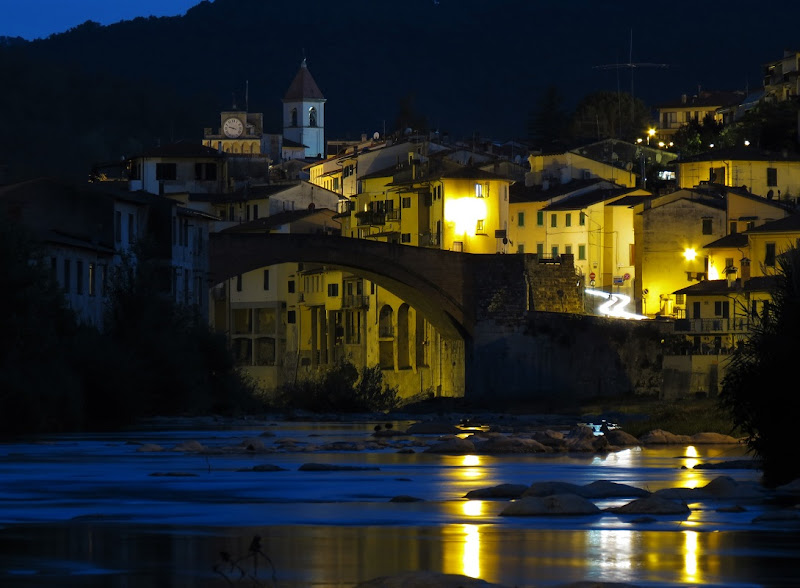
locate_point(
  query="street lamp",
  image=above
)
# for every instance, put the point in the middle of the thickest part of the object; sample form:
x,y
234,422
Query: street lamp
x,y
651,132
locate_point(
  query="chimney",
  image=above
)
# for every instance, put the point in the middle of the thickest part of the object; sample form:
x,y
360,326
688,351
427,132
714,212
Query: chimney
x,y
683,98
745,270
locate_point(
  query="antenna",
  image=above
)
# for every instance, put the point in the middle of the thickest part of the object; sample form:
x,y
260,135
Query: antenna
x,y
631,66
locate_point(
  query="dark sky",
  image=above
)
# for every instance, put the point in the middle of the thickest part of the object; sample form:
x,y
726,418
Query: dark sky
x,y
479,66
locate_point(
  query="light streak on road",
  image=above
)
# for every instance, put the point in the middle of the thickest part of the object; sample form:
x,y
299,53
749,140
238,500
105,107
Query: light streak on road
x,y
615,305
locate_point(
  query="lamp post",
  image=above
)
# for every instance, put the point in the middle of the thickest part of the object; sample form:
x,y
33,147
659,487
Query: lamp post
x,y
651,132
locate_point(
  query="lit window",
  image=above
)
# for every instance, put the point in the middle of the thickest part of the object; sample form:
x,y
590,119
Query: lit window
x,y
479,226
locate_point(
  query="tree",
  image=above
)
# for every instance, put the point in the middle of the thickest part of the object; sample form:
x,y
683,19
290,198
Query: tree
x,y
39,389
609,115
548,120
697,136
755,389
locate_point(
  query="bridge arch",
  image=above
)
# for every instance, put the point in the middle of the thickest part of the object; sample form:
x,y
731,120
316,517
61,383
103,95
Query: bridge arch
x,y
437,283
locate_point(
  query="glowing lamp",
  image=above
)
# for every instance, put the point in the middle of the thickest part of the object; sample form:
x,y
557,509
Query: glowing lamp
x,y
689,254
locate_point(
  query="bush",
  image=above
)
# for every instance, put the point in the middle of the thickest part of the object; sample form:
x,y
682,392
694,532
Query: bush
x,y
756,390
342,388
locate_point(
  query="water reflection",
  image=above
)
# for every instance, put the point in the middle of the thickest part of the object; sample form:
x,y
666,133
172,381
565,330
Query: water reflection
x,y
472,508
472,552
471,469
690,556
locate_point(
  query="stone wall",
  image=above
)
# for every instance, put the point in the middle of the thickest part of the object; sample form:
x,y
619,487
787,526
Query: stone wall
x,y
560,358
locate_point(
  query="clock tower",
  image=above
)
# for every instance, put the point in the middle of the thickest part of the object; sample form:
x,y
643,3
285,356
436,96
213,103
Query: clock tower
x,y
239,132
304,113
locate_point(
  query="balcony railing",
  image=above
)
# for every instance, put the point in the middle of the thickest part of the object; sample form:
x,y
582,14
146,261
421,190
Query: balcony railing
x,y
355,301
712,325
368,217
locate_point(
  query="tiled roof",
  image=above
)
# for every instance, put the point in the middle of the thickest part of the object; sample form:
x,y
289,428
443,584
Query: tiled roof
x,y
279,219
586,199
734,240
706,99
303,86
741,154
721,287
522,193
790,223
181,149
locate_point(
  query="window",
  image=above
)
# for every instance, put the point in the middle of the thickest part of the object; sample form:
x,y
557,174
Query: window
x,y
540,249
568,219
131,229
520,248
205,171
458,246
239,283
166,171
405,202
102,280
568,249
312,117
266,279
582,252
479,226
521,219
481,191
79,276
335,183
540,219
772,176
553,220
554,251
118,226
680,299
293,116
707,226
291,317
290,286
769,258
333,290
67,277
255,211
732,226
405,238
582,219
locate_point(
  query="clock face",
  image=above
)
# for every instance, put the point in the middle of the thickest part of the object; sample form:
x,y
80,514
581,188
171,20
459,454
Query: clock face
x,y
232,127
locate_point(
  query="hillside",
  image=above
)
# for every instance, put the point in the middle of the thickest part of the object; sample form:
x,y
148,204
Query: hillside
x,y
98,93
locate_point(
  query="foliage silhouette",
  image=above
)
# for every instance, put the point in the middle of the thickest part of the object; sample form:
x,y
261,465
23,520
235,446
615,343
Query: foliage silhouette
x,y
755,389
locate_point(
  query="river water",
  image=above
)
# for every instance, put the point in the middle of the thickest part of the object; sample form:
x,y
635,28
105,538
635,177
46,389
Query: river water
x,y
96,510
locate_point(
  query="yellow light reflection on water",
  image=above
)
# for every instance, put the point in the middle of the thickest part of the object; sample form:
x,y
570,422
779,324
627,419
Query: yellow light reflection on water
x,y
472,508
471,469
616,547
690,556
471,559
691,477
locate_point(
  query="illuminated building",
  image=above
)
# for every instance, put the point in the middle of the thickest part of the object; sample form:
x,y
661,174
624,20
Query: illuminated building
x,y
675,114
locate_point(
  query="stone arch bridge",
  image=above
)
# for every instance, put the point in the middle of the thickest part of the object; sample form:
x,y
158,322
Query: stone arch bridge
x,y
477,299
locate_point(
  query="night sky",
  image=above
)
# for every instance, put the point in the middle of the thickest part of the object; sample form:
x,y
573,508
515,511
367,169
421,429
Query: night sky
x,y
480,66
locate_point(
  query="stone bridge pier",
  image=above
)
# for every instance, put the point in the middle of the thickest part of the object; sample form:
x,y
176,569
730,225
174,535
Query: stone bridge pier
x,y
480,302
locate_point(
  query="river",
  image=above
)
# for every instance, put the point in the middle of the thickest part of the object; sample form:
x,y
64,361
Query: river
x,y
131,510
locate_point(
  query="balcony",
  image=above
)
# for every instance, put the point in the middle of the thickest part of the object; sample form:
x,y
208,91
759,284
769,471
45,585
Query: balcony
x,y
355,301
370,218
711,326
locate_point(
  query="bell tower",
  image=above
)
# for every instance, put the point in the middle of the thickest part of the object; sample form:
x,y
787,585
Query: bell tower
x,y
304,113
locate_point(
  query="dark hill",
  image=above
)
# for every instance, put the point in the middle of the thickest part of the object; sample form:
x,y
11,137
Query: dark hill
x,y
96,93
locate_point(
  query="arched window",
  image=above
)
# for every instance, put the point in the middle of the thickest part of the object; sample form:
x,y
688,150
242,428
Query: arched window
x,y
312,117
385,326
294,117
